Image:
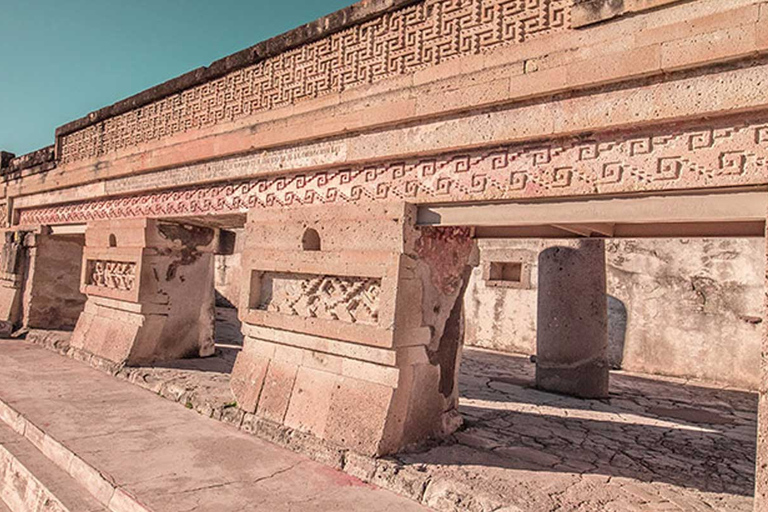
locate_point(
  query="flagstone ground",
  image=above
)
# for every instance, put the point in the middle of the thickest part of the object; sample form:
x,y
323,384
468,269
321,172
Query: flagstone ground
x,y
654,444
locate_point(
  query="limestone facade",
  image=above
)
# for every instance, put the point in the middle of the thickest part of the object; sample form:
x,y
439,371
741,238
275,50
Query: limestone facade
x,y
329,143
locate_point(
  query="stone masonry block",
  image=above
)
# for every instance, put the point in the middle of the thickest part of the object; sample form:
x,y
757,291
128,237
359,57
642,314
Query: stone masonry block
x,y
247,379
353,425
311,401
276,393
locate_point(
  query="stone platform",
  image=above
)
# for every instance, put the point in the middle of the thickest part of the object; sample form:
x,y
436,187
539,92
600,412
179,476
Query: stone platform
x,y
654,444
135,452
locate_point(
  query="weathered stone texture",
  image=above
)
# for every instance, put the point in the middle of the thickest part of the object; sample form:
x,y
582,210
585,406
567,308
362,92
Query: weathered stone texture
x,y
687,308
372,318
150,292
725,153
572,320
52,297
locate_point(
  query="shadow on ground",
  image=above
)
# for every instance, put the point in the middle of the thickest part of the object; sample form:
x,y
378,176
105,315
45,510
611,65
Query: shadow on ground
x,y
655,444
649,430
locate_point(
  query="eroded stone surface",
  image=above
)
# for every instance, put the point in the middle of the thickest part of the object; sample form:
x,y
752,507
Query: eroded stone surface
x,y
654,444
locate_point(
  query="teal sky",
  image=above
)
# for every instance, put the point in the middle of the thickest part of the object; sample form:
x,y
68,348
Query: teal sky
x,y
61,59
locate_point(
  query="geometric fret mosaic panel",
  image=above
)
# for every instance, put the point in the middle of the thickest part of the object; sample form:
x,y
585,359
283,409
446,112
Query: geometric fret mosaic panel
x,y
716,155
395,43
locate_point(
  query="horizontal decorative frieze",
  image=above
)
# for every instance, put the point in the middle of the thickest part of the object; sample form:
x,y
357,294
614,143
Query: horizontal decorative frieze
x,y
396,43
715,154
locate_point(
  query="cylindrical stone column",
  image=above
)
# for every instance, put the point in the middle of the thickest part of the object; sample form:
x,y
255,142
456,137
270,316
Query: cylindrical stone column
x,y
572,326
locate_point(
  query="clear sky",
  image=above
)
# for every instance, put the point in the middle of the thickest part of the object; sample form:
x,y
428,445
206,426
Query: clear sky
x,y
61,59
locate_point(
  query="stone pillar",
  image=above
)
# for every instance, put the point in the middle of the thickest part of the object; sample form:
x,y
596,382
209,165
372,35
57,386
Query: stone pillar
x,y
150,292
352,323
52,297
572,325
11,281
761,467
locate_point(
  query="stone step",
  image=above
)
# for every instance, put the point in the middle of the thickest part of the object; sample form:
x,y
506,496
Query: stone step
x,y
30,482
136,452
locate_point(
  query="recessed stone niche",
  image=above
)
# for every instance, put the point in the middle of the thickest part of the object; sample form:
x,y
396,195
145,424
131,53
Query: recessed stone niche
x,y
507,271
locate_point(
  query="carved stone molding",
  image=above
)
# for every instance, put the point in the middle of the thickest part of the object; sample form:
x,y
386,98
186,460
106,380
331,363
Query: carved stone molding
x,y
718,154
346,299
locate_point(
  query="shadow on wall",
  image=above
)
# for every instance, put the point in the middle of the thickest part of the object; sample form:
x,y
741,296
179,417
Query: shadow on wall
x,y
617,331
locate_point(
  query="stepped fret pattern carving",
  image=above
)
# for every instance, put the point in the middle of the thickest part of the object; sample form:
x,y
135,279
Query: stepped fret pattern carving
x,y
347,299
702,157
396,43
115,275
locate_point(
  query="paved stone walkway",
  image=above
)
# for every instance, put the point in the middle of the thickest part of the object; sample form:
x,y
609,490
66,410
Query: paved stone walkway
x,y
169,458
656,445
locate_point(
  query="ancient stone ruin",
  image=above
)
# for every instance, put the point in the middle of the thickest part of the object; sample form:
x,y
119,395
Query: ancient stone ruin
x,y
351,187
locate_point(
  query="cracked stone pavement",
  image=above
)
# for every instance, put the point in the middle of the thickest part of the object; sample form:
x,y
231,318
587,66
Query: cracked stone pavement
x,y
657,444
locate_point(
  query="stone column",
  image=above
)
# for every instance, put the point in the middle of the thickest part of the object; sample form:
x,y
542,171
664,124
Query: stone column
x,y
572,325
352,323
52,298
761,469
11,281
150,288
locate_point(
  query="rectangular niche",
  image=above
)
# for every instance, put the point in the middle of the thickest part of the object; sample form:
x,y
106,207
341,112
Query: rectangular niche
x,y
508,274
346,299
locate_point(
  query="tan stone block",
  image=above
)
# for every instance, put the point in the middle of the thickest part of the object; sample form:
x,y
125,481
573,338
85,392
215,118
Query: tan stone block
x,y
448,69
287,354
311,401
247,379
320,344
413,337
409,314
362,370
409,356
761,31
742,15
394,83
710,47
607,68
321,361
259,347
276,394
425,403
482,94
359,428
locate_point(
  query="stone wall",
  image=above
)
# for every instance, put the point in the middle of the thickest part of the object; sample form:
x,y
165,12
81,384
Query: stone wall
x,y
683,308
52,297
227,273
